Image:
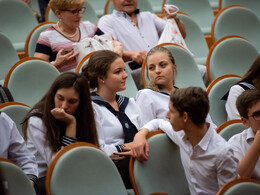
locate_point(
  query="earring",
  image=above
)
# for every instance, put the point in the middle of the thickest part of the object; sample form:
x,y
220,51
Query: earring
x,y
103,81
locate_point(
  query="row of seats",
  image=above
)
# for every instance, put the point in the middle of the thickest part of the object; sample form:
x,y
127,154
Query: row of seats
x,y
233,55
228,24
82,168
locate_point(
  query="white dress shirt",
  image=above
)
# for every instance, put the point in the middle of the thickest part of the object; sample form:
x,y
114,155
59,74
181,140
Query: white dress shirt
x,y
123,29
241,143
208,165
13,147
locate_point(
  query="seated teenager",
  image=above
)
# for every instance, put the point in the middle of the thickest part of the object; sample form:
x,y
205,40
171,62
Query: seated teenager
x,y
247,144
207,158
117,117
162,71
63,116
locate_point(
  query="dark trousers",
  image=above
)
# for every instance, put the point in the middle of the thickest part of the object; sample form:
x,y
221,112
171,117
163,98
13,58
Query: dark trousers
x,y
123,168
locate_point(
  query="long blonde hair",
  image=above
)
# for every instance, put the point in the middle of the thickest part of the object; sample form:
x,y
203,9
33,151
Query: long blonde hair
x,y
152,84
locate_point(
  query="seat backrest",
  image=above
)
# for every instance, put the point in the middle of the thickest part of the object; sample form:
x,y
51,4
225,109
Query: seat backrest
x,y
89,15
163,172
14,179
230,55
251,4
199,10
230,128
82,168
214,4
156,5
29,79
195,39
32,38
98,6
16,111
237,20
16,22
188,73
8,56
142,5
240,186
216,90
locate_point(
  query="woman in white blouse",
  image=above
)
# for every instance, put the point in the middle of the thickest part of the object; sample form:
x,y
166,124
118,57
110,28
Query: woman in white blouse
x,y
162,71
63,116
117,117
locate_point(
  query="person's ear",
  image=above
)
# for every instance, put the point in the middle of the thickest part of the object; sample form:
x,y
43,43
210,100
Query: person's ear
x,y
185,117
245,121
101,79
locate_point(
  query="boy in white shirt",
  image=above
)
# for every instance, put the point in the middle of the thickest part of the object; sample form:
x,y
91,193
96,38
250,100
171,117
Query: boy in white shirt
x,y
247,144
206,157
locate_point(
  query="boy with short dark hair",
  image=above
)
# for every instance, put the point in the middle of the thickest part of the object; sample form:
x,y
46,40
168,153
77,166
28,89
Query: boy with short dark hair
x,y
247,144
206,157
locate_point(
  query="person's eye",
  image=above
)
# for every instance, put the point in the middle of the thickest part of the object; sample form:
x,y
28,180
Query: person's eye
x,y
163,65
151,67
73,101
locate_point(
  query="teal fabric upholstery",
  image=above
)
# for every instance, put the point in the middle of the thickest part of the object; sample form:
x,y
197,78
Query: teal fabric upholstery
x,y
17,112
163,172
86,170
30,80
15,181
199,10
237,20
231,55
195,39
8,56
16,22
217,109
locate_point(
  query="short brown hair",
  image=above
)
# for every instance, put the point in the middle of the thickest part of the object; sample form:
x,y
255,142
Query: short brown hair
x,y
98,65
246,100
193,100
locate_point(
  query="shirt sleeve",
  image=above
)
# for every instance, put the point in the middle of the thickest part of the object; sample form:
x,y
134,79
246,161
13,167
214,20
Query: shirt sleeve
x,y
109,149
159,23
105,25
226,166
37,143
146,106
236,143
165,126
231,108
18,152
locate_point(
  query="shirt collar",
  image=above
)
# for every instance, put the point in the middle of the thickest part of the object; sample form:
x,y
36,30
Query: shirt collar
x,y
250,134
205,141
124,14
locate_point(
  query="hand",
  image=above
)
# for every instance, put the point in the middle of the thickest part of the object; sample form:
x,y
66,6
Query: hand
x,y
138,56
118,47
61,60
138,149
257,140
60,114
32,183
116,158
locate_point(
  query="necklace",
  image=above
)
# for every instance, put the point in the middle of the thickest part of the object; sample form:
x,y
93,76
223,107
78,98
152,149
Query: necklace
x,y
70,36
